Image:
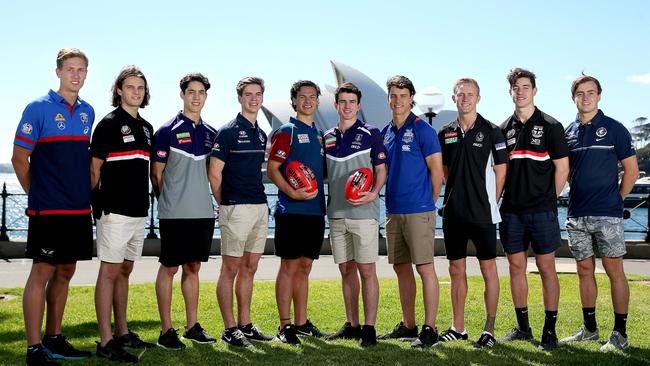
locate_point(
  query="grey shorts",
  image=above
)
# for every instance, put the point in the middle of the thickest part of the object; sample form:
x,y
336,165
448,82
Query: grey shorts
x,y
596,235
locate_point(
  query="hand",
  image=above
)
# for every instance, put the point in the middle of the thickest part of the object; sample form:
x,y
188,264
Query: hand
x,y
366,197
301,194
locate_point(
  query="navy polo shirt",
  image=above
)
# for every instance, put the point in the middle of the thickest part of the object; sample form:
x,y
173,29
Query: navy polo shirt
x,y
408,185
241,146
595,150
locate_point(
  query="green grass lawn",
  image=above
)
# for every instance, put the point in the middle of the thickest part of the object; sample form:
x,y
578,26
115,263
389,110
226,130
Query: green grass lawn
x,y
326,311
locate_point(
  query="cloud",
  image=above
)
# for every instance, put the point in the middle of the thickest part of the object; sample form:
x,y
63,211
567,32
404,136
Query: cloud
x,y
639,78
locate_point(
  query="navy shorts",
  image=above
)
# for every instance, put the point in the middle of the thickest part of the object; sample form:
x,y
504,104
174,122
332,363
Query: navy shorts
x,y
540,230
298,236
457,233
185,240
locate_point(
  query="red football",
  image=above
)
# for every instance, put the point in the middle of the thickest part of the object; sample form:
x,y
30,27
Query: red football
x,y
300,175
360,181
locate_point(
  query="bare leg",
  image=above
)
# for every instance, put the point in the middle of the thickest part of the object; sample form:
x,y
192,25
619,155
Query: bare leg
x,y
56,296
550,282
518,281
350,284
34,300
430,292
164,283
104,290
190,289
229,269
370,291
301,290
121,298
491,294
458,292
407,292
284,289
244,286
620,288
587,281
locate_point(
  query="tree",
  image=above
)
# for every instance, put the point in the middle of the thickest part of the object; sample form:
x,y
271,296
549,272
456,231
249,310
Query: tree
x,y
640,132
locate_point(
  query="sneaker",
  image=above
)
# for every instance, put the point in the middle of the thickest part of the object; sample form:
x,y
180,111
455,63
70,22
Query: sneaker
x,y
287,334
170,340
252,333
39,356
234,337
518,335
113,351
368,336
347,331
583,334
427,338
197,334
451,335
309,329
616,341
59,348
401,332
549,341
132,340
486,340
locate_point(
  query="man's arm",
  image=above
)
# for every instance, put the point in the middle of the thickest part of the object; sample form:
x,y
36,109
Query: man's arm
x,y
215,176
445,172
380,180
95,171
500,174
274,174
157,169
561,174
20,161
630,175
434,163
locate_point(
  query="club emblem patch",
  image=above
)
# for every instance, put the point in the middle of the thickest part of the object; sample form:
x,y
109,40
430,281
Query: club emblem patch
x,y
601,132
125,130
27,128
537,131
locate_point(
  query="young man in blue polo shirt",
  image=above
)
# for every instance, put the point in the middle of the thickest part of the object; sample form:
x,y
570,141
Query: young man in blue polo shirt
x,y
412,188
236,179
179,176
595,216
299,215
51,161
354,228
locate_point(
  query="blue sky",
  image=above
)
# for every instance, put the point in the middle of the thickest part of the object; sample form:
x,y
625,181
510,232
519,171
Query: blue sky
x,y
431,42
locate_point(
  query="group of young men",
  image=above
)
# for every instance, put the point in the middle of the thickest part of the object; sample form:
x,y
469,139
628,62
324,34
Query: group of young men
x,y
528,159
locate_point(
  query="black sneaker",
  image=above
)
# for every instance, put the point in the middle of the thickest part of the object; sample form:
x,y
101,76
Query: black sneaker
x,y
287,334
59,348
113,351
518,335
310,330
197,334
549,341
401,332
234,337
451,335
253,334
368,336
486,340
427,338
170,340
347,331
132,340
38,356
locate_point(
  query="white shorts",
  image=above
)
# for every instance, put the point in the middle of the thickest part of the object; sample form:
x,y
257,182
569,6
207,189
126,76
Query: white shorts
x,y
354,239
120,238
243,228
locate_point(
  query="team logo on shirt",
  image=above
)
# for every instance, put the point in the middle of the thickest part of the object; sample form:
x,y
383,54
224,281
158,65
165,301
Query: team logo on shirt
x,y
146,132
330,142
535,141
60,125
125,130
84,118
260,136
27,128
510,133
511,141
243,135
480,137
86,130
216,147
601,132
386,139
408,136
537,131
303,138
281,154
59,118
451,134
161,153
500,146
358,137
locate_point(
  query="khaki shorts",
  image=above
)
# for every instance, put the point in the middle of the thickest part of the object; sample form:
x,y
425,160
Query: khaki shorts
x,y
354,239
410,237
243,228
120,238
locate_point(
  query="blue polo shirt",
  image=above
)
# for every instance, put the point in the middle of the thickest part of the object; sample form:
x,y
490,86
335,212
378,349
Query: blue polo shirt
x,y
58,134
241,146
595,150
408,185
296,140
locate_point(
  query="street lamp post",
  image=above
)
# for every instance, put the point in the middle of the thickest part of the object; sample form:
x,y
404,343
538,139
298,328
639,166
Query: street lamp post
x,y
430,100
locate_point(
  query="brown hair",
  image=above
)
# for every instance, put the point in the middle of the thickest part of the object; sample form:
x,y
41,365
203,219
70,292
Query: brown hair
x,y
299,84
584,79
347,88
518,73
127,72
66,53
195,76
401,82
249,80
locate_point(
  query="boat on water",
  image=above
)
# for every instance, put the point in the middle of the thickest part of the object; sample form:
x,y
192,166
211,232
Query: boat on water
x,y
638,196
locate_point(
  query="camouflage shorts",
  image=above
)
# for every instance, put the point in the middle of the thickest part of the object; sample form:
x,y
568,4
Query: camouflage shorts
x,y
596,235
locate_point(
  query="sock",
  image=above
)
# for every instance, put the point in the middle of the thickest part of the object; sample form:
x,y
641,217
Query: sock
x,y
589,315
522,318
549,321
620,322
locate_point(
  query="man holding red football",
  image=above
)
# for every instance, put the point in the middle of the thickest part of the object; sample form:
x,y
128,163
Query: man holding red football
x,y
299,213
354,227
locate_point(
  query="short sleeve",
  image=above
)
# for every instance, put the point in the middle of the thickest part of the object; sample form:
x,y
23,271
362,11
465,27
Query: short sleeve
x,y
99,144
499,147
557,145
377,148
428,140
280,144
29,127
623,143
221,147
161,145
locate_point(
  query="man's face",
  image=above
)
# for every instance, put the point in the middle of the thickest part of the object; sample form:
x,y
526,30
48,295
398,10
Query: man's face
x,y
194,97
523,93
586,97
399,100
251,98
466,97
132,92
72,74
347,105
306,100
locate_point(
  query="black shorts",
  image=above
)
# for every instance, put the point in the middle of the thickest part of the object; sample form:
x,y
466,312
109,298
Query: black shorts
x,y
298,236
484,237
60,239
540,230
185,240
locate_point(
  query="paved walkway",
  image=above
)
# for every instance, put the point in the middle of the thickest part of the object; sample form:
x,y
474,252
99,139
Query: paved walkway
x,y
15,272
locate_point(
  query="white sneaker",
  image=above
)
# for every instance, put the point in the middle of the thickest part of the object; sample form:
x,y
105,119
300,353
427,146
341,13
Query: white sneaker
x,y
583,334
616,341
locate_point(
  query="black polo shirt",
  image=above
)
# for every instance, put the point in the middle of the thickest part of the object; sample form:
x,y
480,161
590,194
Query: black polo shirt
x,y
124,143
241,145
532,147
470,191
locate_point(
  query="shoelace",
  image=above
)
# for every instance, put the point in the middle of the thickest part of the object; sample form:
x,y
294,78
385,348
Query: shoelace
x,y
238,334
